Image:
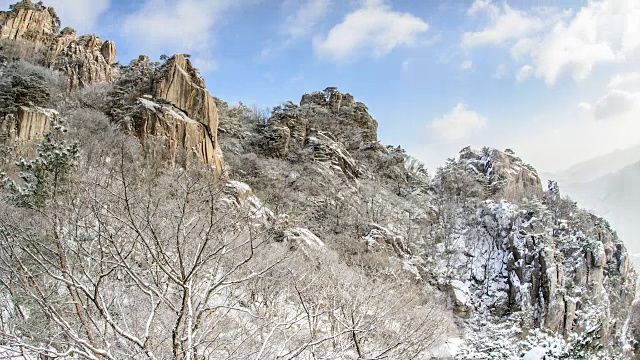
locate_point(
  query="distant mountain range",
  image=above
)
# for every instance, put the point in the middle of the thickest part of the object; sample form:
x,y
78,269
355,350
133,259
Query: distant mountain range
x,y
609,185
597,167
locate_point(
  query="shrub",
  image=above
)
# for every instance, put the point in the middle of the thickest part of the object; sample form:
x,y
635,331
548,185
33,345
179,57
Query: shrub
x,y
24,84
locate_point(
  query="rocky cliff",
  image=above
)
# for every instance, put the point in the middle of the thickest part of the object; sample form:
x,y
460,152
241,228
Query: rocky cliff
x,y
85,60
28,124
30,22
181,114
537,259
176,110
519,264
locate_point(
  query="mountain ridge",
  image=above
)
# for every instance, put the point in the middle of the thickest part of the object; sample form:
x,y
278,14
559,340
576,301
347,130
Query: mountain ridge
x,y
478,250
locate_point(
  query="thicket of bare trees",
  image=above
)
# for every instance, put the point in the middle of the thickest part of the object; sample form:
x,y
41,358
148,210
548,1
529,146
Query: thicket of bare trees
x,y
106,254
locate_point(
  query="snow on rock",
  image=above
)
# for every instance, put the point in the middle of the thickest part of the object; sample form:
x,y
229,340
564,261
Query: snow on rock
x,y
241,195
537,353
460,298
304,237
448,349
378,236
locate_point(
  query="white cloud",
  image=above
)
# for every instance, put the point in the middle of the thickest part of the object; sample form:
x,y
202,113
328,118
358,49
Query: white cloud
x,y
524,73
563,43
458,124
626,80
506,24
585,107
466,65
183,26
306,17
480,5
616,103
373,28
82,15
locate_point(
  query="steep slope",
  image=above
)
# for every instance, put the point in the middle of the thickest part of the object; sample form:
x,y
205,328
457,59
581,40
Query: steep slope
x,y
180,112
338,247
85,60
482,231
175,116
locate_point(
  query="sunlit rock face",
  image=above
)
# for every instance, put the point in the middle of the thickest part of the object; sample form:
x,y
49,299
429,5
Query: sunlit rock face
x,y
86,60
27,125
182,115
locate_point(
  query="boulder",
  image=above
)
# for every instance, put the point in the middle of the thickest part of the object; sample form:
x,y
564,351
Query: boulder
x,y
378,236
460,299
298,237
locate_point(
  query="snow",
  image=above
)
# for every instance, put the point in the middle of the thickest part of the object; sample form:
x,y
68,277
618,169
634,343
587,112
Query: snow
x,y
448,349
304,236
460,291
537,353
153,106
242,187
148,104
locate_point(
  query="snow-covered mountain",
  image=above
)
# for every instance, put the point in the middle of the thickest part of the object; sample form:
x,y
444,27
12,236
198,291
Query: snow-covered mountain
x,y
143,218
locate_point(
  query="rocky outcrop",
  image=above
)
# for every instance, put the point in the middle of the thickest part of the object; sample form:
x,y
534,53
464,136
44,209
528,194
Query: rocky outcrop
x,y
303,238
84,63
331,153
108,51
381,237
182,113
460,299
326,126
502,171
185,89
183,138
85,60
28,124
33,122
30,22
360,127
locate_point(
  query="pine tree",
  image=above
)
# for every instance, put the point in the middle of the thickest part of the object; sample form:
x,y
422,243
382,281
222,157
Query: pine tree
x,y
43,177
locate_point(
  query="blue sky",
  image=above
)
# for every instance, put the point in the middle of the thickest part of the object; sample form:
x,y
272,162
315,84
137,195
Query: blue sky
x,y
556,81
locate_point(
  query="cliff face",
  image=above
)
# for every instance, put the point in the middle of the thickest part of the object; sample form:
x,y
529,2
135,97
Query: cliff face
x,y
537,258
30,22
183,139
182,114
28,124
179,111
85,60
185,89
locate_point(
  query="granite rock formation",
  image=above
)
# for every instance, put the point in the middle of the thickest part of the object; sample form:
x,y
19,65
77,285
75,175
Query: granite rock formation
x,y
181,113
85,60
